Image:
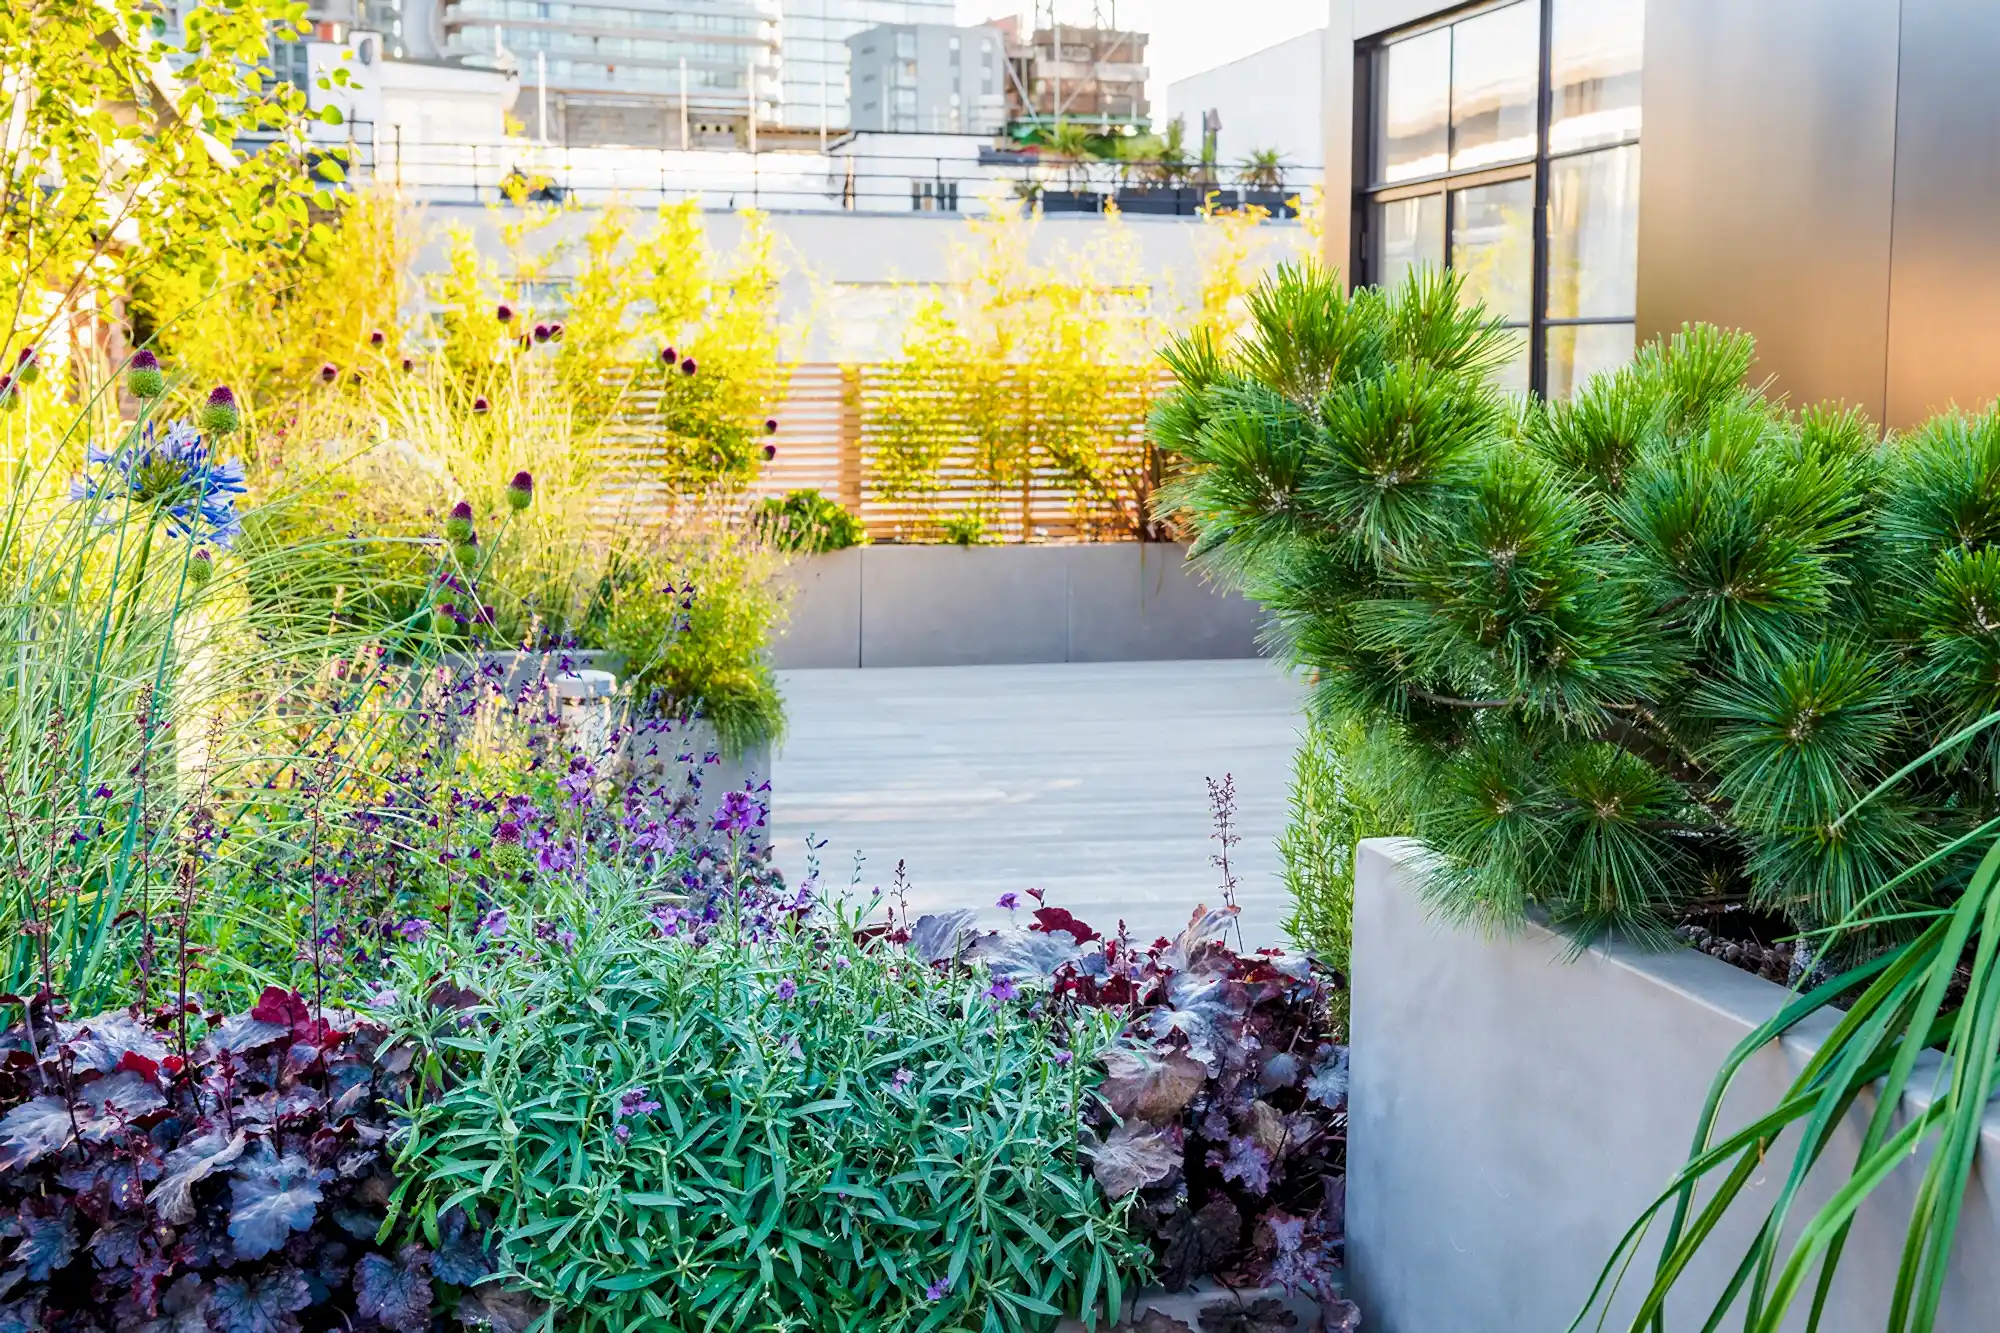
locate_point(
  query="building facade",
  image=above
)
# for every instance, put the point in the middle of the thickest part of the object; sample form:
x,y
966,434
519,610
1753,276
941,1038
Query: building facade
x,y
928,78
1268,101
644,73
1815,173
815,53
1075,75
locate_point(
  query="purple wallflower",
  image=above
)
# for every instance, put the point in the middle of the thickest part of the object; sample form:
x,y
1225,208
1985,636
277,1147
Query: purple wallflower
x,y
1002,990
1009,901
1063,1057
738,813
633,1104
902,1080
414,930
494,922
577,785
936,1291
787,989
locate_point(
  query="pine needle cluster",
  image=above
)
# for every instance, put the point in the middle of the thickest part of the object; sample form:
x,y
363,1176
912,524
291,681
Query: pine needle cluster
x,y
1643,652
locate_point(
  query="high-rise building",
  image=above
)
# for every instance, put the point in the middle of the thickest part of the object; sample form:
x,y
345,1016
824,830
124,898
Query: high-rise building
x,y
928,78
636,72
815,33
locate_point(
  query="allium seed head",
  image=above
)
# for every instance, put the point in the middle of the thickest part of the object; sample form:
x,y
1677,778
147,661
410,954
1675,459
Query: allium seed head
x,y
27,367
505,314
541,333
480,407
688,366
201,568
770,452
770,425
143,377
220,415
328,373
408,365
669,357
458,526
377,338
520,491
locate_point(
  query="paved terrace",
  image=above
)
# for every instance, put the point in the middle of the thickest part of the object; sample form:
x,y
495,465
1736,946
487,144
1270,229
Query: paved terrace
x,y
1085,780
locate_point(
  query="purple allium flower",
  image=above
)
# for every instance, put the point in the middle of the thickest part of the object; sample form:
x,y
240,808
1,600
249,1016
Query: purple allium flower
x,y
378,338
505,314
541,334
669,357
688,367
556,332
7,395
507,833
770,452
937,1290
143,376
458,524
1009,901
328,373
175,473
521,491
787,989
408,365
494,922
1001,991
27,366
220,414
480,407
200,569
770,425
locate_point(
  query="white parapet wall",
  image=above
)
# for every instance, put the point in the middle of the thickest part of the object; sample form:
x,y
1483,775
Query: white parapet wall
x,y
1512,1112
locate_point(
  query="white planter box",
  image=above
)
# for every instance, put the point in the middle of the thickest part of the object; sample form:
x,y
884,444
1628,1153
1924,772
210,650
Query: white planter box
x,y
1511,1113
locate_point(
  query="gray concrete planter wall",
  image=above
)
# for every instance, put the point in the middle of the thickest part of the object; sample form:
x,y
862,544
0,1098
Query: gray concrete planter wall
x,y
890,606
1511,1113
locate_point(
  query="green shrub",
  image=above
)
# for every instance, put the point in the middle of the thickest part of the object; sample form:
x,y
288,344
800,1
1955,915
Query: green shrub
x,y
1640,652
1344,789
801,1132
808,523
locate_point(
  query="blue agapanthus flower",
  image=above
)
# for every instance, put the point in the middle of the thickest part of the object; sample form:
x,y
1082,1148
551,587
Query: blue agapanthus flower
x,y
175,472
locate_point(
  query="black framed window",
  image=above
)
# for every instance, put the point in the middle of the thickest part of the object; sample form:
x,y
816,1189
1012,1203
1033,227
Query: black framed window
x,y
1503,142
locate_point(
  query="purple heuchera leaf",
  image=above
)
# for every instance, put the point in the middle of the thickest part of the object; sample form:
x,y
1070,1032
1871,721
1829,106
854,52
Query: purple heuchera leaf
x,y
183,1309
33,1130
395,1291
934,938
1133,1157
268,1304
461,1259
1328,1084
270,1198
47,1231
1245,1163
98,1044
187,1166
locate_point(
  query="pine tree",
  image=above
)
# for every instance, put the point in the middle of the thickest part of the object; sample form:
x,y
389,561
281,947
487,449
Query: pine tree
x,y
1642,652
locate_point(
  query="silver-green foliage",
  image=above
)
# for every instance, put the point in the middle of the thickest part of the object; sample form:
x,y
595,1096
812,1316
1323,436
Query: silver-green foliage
x,y
1641,650
885,1147
1344,788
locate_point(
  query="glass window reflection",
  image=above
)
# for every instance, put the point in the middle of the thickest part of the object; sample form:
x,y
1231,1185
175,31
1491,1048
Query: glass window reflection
x,y
1595,49
1495,60
1578,353
1412,106
1493,246
1594,234
1412,236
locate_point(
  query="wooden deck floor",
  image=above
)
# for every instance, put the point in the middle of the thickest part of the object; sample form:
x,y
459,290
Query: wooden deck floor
x,y
1086,781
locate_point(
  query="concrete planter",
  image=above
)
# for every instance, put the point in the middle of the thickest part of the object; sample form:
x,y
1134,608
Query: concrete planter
x,y
1512,1112
896,606
1187,1307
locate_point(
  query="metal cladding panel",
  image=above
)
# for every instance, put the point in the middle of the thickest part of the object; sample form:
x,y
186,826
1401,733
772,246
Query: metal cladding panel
x,y
1944,295
1769,140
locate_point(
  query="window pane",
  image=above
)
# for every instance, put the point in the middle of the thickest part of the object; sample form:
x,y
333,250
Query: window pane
x,y
1492,246
1512,375
1579,351
1414,82
1594,57
1594,234
1411,235
1494,59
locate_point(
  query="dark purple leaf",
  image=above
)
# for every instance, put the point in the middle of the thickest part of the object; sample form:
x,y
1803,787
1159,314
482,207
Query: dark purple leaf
x,y
183,1309
241,1032
936,938
1021,955
23,1316
1199,1243
270,1198
187,1166
32,1131
267,1304
47,1231
1136,1155
461,1259
1153,1321
498,1309
1328,1084
1263,1315
1142,1085
117,1098
118,1244
398,1291
1245,1163
99,1044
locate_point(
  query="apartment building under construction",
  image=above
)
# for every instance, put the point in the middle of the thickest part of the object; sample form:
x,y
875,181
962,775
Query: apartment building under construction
x,y
1065,72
